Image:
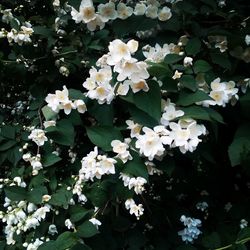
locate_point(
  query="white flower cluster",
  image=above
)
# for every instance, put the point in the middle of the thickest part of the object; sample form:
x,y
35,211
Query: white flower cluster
x,y
151,143
131,73
221,93
33,245
131,182
38,136
183,134
121,148
35,162
93,18
157,53
21,36
20,217
137,210
191,231
60,100
94,165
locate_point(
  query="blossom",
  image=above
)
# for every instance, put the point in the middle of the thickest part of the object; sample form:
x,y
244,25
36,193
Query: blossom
x,y
191,231
140,9
151,142
86,12
124,11
247,39
185,134
170,113
107,11
134,127
121,148
95,222
137,210
38,136
94,165
188,61
136,183
164,14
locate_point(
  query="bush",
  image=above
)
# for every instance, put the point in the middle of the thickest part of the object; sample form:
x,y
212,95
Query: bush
x,y
124,124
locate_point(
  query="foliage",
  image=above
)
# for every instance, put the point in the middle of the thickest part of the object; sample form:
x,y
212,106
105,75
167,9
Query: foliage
x,y
76,172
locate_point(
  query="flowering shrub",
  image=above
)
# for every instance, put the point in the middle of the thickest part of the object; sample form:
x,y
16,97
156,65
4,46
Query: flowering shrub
x,y
124,124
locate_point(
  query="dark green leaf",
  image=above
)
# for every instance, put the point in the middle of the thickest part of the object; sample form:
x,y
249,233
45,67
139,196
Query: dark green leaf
x,y
102,136
86,230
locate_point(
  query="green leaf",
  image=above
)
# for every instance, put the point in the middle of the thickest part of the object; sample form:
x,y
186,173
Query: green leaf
x,y
211,241
149,102
35,195
66,240
142,117
243,234
104,113
48,113
193,46
132,25
202,113
102,136
188,82
14,155
201,66
86,230
8,131
78,212
7,145
76,94
136,167
61,197
63,133
48,245
50,159
187,98
240,147
172,58
15,193
159,70
222,60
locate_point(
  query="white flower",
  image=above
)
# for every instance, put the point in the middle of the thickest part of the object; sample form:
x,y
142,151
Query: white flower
x,y
69,224
137,210
140,9
80,105
50,123
164,14
134,127
152,11
86,12
123,88
52,229
97,22
247,39
95,222
188,61
107,11
157,53
170,113
38,136
121,149
94,165
103,93
150,144
185,133
64,71
177,75
118,51
124,11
